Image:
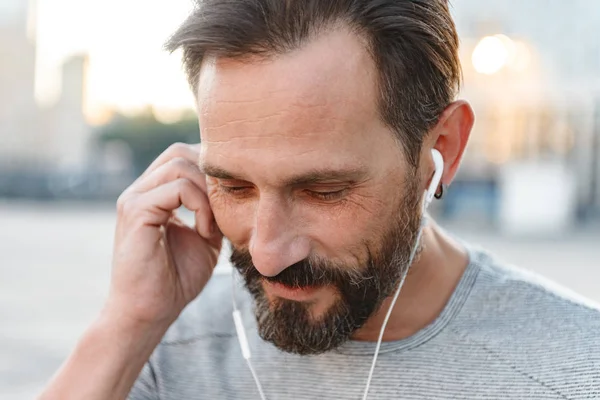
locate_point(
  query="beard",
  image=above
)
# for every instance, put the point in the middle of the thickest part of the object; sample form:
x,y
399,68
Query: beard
x,y
360,288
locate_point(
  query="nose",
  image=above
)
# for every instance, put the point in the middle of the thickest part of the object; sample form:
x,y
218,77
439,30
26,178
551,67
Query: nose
x,y
277,241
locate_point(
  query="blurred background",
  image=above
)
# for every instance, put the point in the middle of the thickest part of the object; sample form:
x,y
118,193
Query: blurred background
x,y
88,98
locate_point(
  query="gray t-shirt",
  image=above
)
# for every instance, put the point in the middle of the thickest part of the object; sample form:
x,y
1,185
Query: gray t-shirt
x,y
504,334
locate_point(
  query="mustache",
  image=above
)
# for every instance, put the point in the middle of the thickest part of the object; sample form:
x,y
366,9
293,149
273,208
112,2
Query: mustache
x,y
309,272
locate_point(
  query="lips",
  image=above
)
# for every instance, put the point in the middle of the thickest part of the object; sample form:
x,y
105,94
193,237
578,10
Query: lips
x,y
290,293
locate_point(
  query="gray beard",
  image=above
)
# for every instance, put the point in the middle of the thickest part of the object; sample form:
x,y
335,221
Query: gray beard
x,y
360,290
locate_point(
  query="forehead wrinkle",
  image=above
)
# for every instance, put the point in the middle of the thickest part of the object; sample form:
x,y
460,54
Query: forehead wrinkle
x,y
281,124
312,79
284,111
286,132
291,115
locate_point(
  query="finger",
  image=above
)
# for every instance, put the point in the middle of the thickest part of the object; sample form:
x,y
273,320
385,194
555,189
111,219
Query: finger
x,y
160,202
190,152
175,168
217,235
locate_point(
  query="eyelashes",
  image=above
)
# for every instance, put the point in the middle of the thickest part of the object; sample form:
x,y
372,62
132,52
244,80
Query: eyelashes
x,y
245,191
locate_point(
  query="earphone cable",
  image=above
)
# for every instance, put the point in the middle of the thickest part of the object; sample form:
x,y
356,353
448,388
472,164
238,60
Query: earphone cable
x,y
243,340
389,312
258,385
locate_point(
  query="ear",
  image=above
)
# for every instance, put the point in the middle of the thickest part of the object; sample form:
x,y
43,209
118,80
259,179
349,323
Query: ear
x,y
451,135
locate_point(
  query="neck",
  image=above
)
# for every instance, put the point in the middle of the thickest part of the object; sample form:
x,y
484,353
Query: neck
x,y
429,284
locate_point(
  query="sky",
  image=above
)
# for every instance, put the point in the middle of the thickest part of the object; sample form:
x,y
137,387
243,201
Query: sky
x,y
127,66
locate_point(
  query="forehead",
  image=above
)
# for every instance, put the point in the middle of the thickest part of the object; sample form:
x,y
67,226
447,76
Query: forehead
x,y
319,99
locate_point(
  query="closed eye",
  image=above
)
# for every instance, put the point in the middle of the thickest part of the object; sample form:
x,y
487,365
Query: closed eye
x,y
234,189
234,186
327,196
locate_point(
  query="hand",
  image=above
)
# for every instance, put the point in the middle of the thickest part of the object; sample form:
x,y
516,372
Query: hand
x,y
159,263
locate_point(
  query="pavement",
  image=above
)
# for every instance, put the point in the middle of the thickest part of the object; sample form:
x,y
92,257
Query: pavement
x,y
55,267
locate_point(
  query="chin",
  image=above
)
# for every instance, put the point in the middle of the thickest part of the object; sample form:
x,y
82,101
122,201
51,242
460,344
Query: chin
x,y
304,328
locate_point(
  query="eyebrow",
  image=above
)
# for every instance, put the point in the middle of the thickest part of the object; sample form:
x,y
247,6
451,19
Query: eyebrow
x,y
316,175
217,172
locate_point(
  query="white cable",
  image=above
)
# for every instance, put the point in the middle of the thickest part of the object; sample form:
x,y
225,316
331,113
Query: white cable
x,y
438,161
390,309
235,308
260,390
241,334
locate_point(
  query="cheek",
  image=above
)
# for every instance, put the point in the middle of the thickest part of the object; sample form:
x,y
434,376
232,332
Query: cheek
x,y
342,235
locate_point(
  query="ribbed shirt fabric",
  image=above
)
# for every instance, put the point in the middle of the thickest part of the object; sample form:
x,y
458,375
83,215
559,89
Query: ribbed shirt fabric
x,y
505,333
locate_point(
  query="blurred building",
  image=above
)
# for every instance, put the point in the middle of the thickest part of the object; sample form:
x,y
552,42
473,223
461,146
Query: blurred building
x,y
34,138
532,73
69,142
19,132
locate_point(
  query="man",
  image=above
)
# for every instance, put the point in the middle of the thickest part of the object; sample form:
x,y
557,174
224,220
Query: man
x,y
318,120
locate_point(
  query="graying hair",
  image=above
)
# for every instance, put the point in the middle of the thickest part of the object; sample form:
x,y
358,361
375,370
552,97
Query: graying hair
x,y
413,43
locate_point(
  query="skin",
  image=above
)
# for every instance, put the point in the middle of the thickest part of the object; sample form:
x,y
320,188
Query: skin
x,y
304,110
266,126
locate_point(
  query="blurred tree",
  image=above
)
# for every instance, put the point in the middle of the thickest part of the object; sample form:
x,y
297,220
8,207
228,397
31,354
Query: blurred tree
x,y
147,137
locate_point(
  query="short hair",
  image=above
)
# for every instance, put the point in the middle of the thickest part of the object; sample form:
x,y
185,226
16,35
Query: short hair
x,y
413,44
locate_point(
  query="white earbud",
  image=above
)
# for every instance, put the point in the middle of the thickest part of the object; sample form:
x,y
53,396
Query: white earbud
x,y
438,161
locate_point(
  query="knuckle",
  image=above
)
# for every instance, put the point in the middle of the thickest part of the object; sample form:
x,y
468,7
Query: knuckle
x,y
177,148
179,163
189,188
174,169
122,201
125,204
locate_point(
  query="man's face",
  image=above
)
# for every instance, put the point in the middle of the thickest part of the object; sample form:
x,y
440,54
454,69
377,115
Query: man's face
x,y
309,186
